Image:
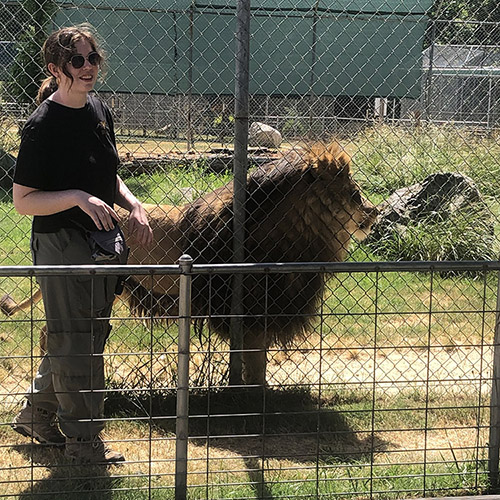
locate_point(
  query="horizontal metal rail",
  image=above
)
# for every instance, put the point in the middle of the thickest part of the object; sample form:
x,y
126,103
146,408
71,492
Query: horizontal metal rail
x,y
256,268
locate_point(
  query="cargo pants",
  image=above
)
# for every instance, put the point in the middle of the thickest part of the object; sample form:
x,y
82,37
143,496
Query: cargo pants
x,y
70,378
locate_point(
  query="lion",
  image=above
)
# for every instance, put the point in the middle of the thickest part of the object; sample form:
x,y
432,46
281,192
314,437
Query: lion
x,y
304,207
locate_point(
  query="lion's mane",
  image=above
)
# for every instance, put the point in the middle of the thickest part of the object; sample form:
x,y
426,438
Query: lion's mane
x,y
298,209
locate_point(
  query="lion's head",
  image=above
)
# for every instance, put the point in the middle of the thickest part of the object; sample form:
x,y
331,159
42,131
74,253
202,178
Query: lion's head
x,y
336,208
304,207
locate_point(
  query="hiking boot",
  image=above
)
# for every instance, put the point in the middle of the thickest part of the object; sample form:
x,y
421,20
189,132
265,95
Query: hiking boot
x,y
94,451
38,424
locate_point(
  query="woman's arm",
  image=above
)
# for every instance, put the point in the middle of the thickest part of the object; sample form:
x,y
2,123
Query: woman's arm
x,y
31,201
138,224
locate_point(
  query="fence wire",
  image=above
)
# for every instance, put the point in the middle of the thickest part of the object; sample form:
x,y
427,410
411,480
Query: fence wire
x,y
389,392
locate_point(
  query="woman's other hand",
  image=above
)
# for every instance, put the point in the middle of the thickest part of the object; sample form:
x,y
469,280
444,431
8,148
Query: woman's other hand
x,y
138,226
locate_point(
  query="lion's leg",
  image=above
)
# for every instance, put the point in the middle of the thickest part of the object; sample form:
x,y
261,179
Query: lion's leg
x,y
254,358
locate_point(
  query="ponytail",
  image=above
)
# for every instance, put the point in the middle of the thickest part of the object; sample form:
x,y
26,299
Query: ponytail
x,y
47,88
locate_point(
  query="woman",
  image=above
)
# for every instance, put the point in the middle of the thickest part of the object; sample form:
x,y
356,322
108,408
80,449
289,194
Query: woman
x,y
66,177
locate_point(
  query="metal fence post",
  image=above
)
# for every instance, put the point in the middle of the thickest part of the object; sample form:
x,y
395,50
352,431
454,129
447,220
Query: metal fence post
x,y
189,132
428,79
494,438
241,110
181,425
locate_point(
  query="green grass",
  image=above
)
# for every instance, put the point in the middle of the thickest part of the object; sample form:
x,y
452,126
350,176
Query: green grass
x,y
412,309
387,158
348,313
465,235
15,233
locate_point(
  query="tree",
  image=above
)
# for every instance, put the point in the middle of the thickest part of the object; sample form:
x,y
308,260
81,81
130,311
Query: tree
x,y
489,12
465,22
12,19
27,69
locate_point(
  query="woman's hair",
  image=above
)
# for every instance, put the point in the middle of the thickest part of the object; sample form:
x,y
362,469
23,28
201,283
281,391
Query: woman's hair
x,y
58,49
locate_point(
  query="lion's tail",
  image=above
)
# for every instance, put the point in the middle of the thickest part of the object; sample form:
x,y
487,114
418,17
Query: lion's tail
x,y
9,306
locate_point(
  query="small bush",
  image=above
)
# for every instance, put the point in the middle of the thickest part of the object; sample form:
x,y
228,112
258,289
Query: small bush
x,y
464,235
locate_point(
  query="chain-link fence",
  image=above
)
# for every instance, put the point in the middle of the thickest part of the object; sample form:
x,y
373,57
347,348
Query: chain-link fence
x,y
390,394
410,90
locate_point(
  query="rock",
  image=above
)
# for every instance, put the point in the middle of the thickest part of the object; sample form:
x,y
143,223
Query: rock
x,y
438,195
264,135
7,164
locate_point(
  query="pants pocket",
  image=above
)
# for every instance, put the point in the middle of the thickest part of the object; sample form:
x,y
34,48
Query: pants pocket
x,y
75,354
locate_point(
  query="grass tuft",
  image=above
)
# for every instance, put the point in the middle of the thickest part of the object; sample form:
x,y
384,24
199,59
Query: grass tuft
x,y
464,235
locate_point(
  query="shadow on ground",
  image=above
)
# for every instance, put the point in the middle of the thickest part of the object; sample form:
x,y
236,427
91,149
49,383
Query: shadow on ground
x,y
291,424
259,424
255,424
66,481
285,423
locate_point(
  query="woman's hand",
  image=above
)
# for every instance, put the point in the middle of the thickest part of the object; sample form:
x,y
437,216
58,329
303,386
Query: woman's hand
x,y
31,201
99,211
138,226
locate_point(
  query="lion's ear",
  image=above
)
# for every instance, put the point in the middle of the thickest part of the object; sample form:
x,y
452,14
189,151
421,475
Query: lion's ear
x,y
332,159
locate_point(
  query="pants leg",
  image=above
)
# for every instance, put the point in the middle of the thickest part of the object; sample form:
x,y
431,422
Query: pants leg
x,y
41,393
77,310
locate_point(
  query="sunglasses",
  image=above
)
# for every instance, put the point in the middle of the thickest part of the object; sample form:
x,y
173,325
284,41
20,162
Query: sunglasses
x,y
77,61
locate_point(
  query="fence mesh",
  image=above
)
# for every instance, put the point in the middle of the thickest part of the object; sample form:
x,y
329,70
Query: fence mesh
x,y
388,394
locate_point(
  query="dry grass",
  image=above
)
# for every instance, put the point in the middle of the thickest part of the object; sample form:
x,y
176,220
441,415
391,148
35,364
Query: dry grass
x,y
150,453
406,385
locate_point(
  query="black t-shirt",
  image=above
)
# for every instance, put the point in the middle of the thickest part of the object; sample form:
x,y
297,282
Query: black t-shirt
x,y
66,148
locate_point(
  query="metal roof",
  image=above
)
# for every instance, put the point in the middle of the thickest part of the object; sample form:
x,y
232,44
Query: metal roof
x,y
462,56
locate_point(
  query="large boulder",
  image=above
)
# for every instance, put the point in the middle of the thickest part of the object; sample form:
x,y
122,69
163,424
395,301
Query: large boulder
x,y
7,164
262,135
437,196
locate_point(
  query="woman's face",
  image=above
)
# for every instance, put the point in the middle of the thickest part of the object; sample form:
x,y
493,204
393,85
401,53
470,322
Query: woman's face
x,y
84,78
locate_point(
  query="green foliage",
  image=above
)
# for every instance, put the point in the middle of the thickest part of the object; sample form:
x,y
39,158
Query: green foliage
x,y
27,70
13,18
465,235
221,119
295,125
461,31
